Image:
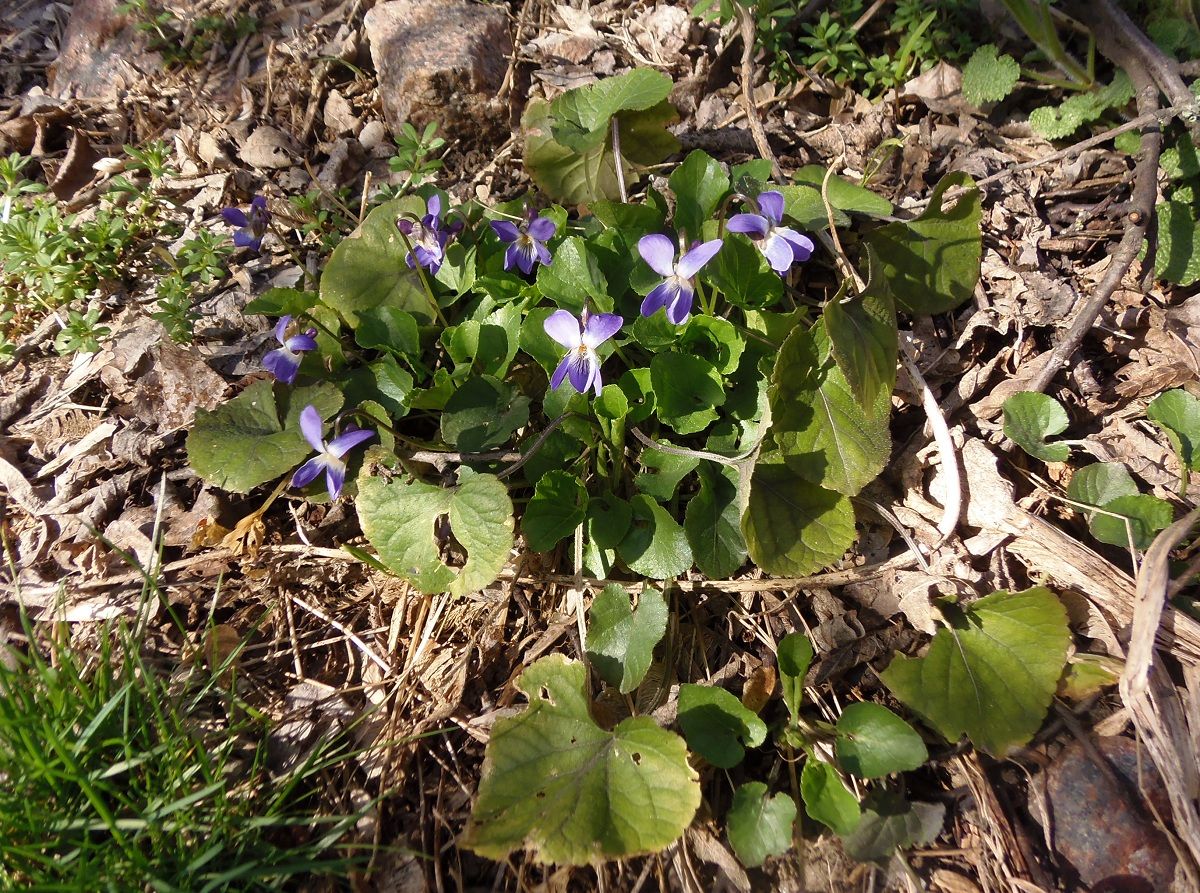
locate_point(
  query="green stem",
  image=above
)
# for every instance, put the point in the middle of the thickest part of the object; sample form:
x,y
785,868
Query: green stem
x,y
437,310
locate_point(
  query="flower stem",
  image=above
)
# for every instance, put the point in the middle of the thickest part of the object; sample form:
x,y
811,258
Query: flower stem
x,y
437,310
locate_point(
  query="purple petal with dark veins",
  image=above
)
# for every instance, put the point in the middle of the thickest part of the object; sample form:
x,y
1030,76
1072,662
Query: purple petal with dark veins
x,y
335,477
283,364
660,296
560,371
543,254
680,309
581,372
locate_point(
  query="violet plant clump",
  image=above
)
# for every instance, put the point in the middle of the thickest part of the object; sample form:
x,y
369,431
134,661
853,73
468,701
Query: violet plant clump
x,y
329,458
284,361
687,443
526,242
252,226
782,246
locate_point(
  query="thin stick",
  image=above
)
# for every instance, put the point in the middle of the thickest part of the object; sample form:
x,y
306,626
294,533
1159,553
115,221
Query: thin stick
x,y
346,631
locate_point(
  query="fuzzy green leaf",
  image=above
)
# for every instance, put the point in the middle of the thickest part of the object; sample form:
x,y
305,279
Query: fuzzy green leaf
x,y
758,824
864,341
620,640
587,175
483,414
556,782
1030,418
843,195
1178,414
742,275
368,269
890,823
1101,482
988,77
699,184
716,725
574,277
794,654
655,545
712,523
992,672
686,388
1178,256
1146,515
401,520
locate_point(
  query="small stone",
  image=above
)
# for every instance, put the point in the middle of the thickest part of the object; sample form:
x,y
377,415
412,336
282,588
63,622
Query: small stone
x,y
440,61
267,149
372,135
100,54
1101,826
345,160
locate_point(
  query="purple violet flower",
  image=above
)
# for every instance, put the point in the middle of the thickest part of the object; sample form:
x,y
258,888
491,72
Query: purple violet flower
x,y
675,292
527,242
428,236
284,362
581,363
329,458
252,226
781,246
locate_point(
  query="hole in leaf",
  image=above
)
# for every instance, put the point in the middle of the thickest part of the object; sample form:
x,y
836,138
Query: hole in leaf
x,y
637,758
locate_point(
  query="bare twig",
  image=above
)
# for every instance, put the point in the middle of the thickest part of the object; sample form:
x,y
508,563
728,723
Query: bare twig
x,y
756,126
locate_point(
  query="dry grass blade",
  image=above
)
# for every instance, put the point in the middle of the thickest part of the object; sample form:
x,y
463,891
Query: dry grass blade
x,y
1159,712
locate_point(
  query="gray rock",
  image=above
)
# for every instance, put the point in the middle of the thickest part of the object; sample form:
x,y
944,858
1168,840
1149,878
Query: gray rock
x,y
101,55
438,60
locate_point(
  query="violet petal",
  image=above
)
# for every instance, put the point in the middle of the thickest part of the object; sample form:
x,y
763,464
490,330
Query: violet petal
x,y
563,327
659,252
312,428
